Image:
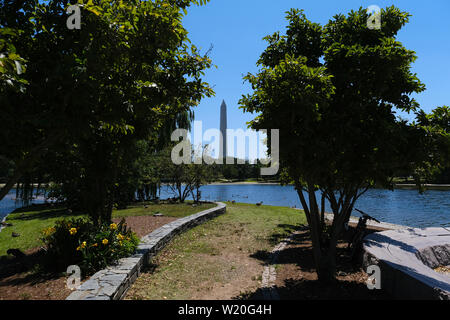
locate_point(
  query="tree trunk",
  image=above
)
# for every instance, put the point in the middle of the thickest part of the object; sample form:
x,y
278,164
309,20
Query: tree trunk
x,y
23,164
326,267
322,211
324,257
10,183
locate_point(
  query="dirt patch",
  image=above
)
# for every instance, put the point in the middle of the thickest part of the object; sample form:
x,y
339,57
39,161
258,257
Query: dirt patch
x,y
18,281
143,225
28,286
297,279
240,275
220,270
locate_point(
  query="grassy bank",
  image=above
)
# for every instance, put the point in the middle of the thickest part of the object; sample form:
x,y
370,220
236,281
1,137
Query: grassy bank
x,y
29,222
220,259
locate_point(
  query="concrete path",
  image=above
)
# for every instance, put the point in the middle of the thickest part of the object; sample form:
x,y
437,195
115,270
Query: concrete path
x,y
407,258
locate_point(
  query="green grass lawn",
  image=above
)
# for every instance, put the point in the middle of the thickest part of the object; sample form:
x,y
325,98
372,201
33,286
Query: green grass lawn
x,y
219,259
169,210
29,222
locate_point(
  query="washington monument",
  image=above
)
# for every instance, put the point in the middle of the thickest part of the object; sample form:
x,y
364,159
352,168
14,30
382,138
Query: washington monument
x,y
223,130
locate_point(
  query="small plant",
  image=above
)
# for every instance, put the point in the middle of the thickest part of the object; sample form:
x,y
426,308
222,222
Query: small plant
x,y
107,246
61,242
79,242
25,296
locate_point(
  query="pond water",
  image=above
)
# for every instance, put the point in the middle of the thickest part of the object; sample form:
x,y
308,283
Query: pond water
x,y
405,207
8,203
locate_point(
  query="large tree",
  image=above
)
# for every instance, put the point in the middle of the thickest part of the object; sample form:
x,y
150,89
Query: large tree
x,y
98,90
435,166
11,81
332,91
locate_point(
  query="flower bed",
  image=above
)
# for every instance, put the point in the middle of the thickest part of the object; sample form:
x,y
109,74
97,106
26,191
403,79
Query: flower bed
x,y
113,282
92,248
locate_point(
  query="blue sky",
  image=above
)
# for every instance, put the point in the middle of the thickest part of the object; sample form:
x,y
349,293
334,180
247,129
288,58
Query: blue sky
x,y
236,27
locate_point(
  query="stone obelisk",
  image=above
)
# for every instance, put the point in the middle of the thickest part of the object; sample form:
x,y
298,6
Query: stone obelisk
x,y
223,130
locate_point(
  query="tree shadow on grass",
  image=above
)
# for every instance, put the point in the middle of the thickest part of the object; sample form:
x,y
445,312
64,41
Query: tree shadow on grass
x,y
43,215
31,278
30,266
300,282
149,268
288,256
287,229
292,255
300,255
293,289
38,206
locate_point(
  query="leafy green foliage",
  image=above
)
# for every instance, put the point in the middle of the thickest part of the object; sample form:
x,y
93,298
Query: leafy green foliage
x,y
332,91
62,240
436,163
183,180
93,93
79,242
11,64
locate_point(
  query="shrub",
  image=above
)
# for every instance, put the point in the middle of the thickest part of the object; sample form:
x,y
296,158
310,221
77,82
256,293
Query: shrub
x,y
62,240
106,246
79,242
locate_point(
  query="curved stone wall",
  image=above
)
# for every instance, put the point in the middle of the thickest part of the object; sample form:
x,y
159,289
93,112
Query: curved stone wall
x,y
112,283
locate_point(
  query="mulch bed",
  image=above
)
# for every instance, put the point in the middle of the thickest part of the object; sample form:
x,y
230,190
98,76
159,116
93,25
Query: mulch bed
x,y
19,282
297,279
143,225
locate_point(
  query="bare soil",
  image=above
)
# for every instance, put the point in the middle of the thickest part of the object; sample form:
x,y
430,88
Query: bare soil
x,y
20,281
143,225
201,266
297,279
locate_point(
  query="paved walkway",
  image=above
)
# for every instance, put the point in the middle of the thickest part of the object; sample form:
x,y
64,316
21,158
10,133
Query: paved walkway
x,y
407,258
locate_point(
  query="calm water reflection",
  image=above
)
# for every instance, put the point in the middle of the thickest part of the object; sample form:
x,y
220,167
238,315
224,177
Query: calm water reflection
x,y
8,204
406,207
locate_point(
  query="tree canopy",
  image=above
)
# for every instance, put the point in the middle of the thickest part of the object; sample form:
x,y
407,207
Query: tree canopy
x,y
95,91
333,92
436,163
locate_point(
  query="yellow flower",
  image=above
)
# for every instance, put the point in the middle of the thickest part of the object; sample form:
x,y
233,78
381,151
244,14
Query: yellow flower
x,y
120,242
120,237
49,231
94,245
82,246
73,231
113,226
105,241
